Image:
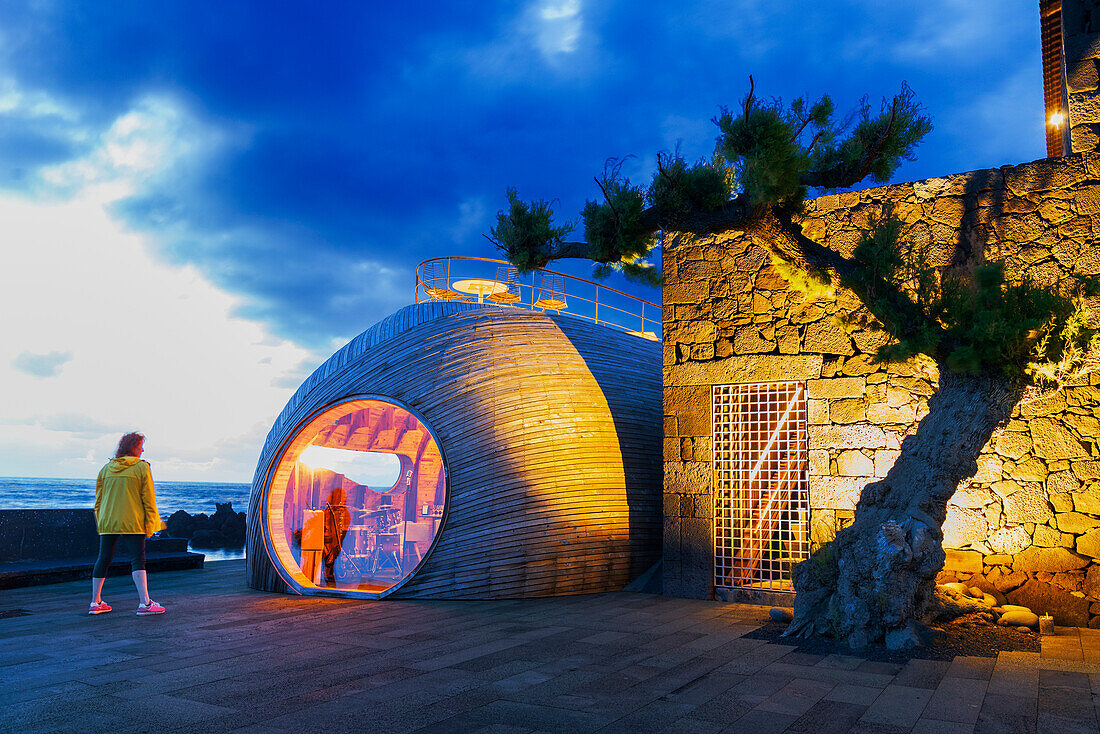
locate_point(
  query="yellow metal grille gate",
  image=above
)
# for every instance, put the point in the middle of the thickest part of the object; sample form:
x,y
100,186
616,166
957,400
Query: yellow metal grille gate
x,y
761,519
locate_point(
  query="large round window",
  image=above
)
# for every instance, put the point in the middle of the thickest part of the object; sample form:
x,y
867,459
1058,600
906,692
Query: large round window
x,y
357,499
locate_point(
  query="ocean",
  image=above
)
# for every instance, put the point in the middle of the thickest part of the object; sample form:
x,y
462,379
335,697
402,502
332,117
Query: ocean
x,y
33,493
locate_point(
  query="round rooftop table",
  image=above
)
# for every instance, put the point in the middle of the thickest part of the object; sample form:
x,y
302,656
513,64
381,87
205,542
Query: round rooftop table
x,y
479,287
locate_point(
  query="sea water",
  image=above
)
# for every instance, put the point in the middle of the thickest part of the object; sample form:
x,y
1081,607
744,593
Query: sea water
x,y
38,493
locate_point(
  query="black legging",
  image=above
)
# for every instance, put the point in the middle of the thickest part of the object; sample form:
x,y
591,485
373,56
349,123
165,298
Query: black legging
x,y
135,546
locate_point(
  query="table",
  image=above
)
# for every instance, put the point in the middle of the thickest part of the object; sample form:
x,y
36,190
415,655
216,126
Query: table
x,y
479,287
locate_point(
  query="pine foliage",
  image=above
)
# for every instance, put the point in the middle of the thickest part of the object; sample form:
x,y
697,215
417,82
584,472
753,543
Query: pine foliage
x,y
680,190
974,322
765,144
767,156
876,146
617,237
524,230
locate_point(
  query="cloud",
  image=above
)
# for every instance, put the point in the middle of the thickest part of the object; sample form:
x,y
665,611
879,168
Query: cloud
x,y
265,195
943,29
15,101
180,367
154,143
79,425
41,365
149,166
559,26
86,464
746,30
35,130
294,376
1012,133
472,219
545,39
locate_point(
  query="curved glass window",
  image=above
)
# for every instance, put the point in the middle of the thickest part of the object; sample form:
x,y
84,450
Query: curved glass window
x,y
357,500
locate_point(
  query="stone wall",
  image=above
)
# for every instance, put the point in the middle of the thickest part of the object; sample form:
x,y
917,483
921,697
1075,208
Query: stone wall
x,y
1028,523
1081,44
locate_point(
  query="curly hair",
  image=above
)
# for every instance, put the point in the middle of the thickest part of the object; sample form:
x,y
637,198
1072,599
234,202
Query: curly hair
x,y
128,444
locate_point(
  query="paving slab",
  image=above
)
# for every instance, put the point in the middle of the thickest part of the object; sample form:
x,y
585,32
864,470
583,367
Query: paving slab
x,y
978,668
828,717
919,673
1015,674
899,706
228,659
935,726
957,699
797,697
1001,713
861,695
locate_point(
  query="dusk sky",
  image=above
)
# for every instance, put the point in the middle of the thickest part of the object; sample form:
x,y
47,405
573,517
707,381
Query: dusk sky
x,y
202,201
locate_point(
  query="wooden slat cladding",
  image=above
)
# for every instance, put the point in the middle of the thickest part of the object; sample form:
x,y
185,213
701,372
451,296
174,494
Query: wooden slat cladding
x,y
550,429
1054,85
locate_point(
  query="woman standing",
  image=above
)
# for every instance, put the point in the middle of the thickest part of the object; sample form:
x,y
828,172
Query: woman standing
x,y
126,508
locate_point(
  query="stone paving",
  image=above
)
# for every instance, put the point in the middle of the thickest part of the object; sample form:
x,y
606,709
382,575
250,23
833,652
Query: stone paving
x,y
225,658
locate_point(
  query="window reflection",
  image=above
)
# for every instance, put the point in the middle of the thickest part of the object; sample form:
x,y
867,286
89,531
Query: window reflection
x,y
361,499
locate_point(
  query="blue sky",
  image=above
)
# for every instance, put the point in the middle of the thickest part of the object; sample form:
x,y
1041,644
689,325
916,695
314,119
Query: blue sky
x,y
294,162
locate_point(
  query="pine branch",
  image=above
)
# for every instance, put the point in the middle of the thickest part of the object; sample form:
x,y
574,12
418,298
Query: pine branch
x,y
849,173
610,204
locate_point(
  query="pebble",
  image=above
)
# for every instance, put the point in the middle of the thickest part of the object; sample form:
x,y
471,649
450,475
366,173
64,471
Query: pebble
x,y
1018,618
1023,629
958,588
1014,608
779,614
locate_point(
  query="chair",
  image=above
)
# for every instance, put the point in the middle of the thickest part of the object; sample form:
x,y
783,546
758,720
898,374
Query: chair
x,y
510,276
550,291
417,534
313,545
436,282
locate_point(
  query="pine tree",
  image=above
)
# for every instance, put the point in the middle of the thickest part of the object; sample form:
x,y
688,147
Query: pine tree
x,y
990,338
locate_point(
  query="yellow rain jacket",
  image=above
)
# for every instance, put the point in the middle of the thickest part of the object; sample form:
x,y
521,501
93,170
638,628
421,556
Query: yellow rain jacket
x,y
124,499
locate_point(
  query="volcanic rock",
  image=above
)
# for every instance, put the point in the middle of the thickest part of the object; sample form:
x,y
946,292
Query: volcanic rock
x,y
780,614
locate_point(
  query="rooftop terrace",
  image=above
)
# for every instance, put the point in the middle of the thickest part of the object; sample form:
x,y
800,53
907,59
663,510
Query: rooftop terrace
x,y
225,658
498,282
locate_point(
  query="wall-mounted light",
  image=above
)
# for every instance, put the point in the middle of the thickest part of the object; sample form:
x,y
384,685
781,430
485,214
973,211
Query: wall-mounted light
x,y
1056,119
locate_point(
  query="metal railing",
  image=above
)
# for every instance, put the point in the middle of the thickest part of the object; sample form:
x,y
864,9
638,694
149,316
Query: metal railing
x,y
497,282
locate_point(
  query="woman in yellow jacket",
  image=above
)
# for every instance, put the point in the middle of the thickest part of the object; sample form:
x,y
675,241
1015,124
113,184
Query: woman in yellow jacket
x,y
125,507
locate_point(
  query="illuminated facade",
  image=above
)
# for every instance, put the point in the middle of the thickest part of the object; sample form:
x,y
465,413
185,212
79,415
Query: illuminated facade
x,y
777,396
464,450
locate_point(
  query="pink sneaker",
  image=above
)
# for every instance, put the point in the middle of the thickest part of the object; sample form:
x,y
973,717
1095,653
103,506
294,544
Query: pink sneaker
x,y
99,607
152,607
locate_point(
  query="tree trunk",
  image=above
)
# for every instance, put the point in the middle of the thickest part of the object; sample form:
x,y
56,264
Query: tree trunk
x,y
877,577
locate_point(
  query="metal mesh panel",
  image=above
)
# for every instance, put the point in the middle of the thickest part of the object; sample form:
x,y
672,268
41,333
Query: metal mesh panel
x,y
762,512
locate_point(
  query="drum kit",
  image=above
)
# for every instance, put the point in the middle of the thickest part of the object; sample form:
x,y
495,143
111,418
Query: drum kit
x,y
380,520
375,540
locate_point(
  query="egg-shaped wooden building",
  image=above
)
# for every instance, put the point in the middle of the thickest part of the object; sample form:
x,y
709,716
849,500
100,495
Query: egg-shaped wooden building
x,y
458,450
